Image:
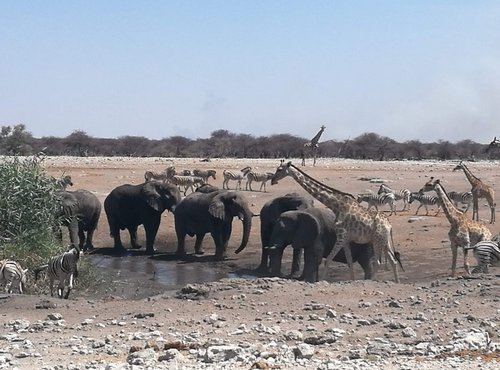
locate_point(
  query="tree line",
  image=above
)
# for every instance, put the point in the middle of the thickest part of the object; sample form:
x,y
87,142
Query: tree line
x,y
17,140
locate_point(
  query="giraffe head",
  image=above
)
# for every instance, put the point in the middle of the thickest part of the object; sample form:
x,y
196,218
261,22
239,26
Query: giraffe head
x,y
495,143
282,171
459,166
429,185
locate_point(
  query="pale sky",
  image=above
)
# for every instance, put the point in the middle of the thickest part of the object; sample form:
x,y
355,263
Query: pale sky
x,y
412,69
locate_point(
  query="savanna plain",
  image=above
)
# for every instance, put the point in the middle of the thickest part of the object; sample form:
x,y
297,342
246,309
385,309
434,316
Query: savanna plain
x,y
161,312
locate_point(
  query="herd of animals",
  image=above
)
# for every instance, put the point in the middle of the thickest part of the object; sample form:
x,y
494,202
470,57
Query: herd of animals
x,y
344,231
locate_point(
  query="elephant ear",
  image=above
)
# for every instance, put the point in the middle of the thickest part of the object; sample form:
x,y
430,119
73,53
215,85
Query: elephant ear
x,y
307,229
69,204
217,208
152,196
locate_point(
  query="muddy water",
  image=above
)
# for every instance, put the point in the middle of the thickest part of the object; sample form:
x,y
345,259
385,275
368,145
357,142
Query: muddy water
x,y
144,271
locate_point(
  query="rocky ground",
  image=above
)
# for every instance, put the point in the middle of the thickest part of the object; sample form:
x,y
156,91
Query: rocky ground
x,y
134,320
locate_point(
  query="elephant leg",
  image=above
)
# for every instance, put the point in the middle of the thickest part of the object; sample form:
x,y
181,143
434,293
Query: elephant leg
x,y
312,259
88,243
132,230
151,231
296,261
181,237
220,233
117,240
264,261
81,238
198,248
276,255
366,262
73,232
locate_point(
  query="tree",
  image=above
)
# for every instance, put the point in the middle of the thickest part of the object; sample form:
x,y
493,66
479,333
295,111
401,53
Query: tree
x,y
78,142
16,140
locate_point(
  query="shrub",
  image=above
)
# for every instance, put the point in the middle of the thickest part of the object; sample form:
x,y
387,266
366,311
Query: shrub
x,y
30,214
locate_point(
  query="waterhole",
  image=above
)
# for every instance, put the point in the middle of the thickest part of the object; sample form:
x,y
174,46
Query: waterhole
x,y
167,274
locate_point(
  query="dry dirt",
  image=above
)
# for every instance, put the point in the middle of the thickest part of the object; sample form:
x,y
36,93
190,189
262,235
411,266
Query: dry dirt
x,y
423,245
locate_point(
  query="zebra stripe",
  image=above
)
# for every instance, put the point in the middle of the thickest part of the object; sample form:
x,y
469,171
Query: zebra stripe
x,y
258,177
236,176
12,274
487,253
403,194
461,197
425,200
374,200
62,268
205,174
160,175
187,181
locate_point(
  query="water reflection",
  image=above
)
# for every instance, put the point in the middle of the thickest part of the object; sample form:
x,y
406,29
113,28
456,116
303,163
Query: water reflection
x,y
171,274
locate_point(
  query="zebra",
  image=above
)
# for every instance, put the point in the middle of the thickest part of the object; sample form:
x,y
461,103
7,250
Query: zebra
x,y
236,176
160,176
258,177
403,194
62,268
464,197
487,252
187,181
425,200
374,200
205,174
12,274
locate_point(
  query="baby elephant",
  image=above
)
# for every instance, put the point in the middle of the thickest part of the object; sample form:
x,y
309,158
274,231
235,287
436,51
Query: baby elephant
x,y
312,230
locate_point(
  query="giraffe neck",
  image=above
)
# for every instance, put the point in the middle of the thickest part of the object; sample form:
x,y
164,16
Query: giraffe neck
x,y
315,139
472,179
332,198
452,214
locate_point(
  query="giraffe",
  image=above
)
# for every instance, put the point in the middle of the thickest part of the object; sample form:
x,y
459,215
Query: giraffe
x,y
464,232
479,190
312,146
354,223
495,144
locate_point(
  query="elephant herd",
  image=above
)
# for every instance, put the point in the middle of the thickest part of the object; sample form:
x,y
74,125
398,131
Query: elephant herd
x,y
290,219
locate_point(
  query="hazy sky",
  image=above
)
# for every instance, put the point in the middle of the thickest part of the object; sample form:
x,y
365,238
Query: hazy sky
x,y
412,69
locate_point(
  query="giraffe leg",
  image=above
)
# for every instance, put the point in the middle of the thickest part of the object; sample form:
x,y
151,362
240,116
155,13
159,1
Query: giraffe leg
x,y
466,260
454,252
343,243
475,206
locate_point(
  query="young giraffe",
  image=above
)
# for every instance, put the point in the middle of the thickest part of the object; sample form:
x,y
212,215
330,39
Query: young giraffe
x,y
354,223
464,232
313,146
479,190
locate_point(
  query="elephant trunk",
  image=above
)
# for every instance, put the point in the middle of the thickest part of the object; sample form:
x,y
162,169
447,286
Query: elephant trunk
x,y
246,219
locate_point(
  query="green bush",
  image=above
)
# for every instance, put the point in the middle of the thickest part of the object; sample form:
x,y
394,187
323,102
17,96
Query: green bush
x,y
29,211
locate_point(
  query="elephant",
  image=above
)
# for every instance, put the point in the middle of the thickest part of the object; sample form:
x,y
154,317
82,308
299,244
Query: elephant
x,y
312,230
269,214
81,210
206,188
213,212
128,206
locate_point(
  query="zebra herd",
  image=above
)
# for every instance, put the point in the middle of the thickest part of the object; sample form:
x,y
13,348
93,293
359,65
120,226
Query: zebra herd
x,y
189,180
388,196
